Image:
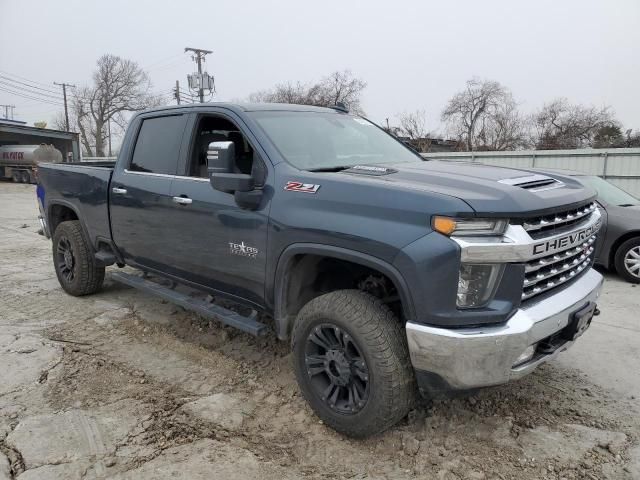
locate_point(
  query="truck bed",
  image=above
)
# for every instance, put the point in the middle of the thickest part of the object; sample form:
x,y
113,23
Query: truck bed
x,y
84,188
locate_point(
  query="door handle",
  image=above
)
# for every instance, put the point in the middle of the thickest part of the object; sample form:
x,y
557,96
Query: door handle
x,y
182,200
119,191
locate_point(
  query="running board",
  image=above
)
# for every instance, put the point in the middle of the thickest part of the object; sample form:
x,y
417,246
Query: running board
x,y
202,307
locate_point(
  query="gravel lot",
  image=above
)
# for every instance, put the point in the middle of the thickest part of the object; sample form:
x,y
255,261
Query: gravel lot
x,y
120,385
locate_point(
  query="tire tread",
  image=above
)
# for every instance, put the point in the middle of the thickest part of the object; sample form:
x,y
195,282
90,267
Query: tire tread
x,y
382,334
90,273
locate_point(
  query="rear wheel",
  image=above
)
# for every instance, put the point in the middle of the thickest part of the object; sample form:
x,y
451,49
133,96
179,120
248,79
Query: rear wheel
x,y
352,362
78,272
628,260
16,177
25,177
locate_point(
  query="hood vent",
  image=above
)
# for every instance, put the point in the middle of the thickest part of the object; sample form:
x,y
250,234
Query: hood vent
x,y
371,170
534,183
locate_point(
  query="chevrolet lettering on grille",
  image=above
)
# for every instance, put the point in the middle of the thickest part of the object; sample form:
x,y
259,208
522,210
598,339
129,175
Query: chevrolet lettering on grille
x,y
568,241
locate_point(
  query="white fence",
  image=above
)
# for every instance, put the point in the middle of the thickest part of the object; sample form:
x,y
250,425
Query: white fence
x,y
620,166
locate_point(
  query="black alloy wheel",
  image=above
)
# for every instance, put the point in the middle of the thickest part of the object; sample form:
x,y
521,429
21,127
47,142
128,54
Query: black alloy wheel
x,y
337,370
65,259
77,269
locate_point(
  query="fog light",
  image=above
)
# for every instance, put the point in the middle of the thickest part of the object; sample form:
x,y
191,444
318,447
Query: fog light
x,y
476,284
525,356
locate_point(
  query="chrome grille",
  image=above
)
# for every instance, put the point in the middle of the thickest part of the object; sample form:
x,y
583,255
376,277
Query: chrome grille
x,y
549,272
544,225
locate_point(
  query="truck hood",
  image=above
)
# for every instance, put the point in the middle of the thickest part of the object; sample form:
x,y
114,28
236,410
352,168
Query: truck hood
x,y
488,190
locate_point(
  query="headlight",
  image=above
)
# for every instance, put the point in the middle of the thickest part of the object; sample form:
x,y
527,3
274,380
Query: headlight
x,y
468,227
476,284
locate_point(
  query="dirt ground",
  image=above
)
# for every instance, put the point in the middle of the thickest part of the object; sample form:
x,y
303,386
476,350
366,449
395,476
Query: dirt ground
x,y
120,385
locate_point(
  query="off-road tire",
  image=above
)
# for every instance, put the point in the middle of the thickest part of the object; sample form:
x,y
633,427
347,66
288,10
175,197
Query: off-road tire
x,y
88,273
381,340
621,253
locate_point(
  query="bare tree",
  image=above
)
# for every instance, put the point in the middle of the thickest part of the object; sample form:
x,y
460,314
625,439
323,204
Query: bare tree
x,y
560,124
413,126
474,110
297,93
119,87
504,128
338,87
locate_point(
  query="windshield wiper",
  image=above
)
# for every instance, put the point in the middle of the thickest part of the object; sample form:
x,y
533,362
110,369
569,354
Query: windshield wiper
x,y
331,169
628,205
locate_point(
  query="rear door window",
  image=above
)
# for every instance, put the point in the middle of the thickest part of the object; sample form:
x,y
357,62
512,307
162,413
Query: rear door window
x,y
158,145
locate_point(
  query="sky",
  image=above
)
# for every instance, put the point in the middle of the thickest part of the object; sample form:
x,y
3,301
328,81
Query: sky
x,y
412,54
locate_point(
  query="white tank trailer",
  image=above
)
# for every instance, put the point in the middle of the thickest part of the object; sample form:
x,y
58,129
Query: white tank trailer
x,y
19,162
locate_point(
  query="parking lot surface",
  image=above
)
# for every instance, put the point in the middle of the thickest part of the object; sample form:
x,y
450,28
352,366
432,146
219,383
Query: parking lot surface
x,y
122,385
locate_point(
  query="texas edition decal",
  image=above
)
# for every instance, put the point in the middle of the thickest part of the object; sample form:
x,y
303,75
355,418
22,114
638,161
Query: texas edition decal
x,y
301,187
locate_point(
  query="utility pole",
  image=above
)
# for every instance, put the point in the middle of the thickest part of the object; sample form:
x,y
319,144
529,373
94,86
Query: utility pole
x,y
109,130
198,56
6,111
177,92
64,94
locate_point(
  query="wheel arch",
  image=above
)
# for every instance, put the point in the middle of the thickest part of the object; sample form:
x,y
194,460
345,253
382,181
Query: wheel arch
x,y
616,245
60,211
290,268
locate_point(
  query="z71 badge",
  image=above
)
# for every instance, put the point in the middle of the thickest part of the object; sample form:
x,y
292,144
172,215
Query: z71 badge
x,y
301,187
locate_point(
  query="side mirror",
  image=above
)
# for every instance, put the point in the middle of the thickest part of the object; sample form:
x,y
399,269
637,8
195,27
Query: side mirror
x,y
220,165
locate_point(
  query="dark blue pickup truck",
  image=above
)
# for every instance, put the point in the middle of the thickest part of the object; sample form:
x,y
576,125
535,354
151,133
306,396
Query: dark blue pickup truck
x,y
389,275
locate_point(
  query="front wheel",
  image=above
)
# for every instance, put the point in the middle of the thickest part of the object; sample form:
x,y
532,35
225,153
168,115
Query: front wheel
x,y
628,260
352,362
78,271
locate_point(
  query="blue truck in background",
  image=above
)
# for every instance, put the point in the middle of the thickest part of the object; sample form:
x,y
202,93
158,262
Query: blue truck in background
x,y
390,276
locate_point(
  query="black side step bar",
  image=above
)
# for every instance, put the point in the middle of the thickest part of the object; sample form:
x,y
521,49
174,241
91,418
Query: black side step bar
x,y
202,307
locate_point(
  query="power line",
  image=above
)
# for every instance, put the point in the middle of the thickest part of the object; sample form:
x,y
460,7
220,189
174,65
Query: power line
x,y
161,61
29,92
42,100
30,86
25,79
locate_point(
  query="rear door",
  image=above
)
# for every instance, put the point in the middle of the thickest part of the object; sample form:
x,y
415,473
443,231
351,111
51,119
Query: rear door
x,y
140,194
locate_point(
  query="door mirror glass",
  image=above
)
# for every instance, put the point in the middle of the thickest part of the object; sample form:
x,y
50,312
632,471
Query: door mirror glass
x,y
231,182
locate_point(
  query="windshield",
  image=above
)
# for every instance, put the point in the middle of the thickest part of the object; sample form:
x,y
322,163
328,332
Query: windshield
x,y
609,192
325,141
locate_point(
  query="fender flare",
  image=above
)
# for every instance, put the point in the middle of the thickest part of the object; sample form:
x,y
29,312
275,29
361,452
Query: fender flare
x,y
62,203
283,321
70,206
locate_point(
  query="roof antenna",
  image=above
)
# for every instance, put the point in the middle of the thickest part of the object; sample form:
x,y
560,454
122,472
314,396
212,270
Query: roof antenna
x,y
341,107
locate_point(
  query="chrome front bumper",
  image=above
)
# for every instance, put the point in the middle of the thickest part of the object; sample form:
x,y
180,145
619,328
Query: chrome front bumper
x,y
484,356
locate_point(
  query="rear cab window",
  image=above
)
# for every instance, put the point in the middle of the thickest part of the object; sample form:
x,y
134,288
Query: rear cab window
x,y
157,147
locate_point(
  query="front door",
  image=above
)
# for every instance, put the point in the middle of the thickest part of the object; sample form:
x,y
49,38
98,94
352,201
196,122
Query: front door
x,y
216,243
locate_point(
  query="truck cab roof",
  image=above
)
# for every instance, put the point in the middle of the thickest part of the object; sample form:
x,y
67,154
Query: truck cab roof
x,y
246,107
